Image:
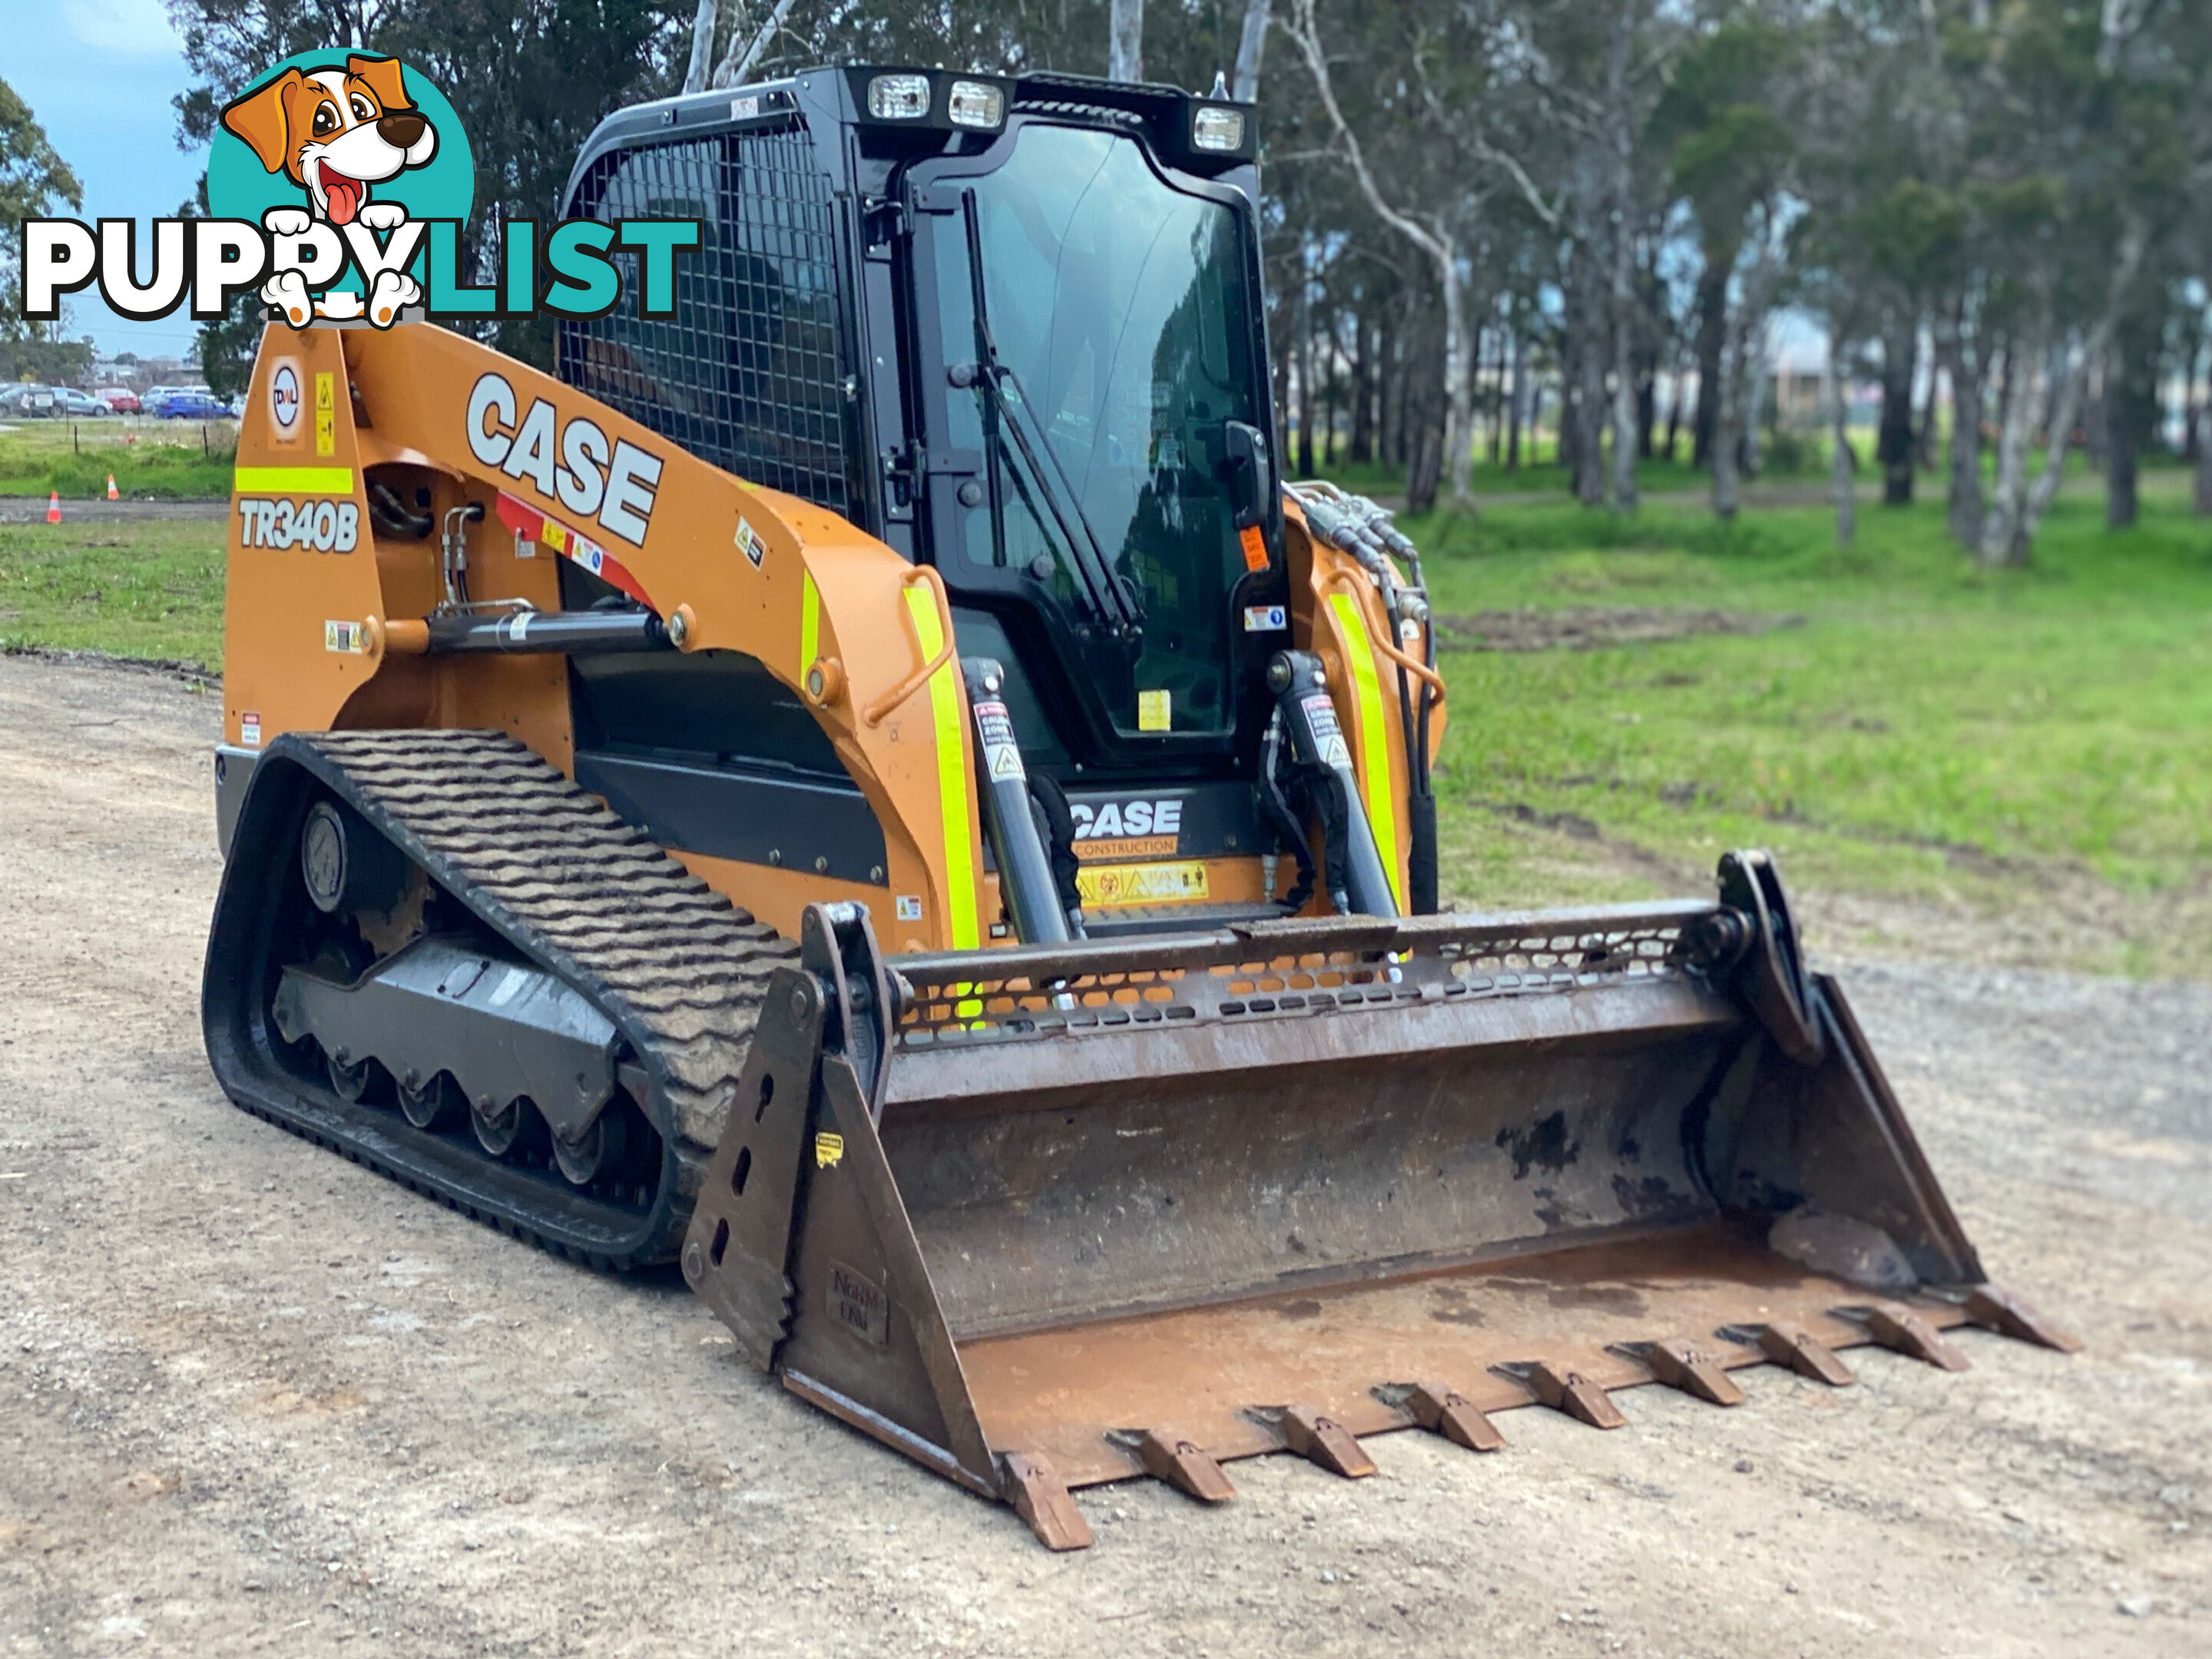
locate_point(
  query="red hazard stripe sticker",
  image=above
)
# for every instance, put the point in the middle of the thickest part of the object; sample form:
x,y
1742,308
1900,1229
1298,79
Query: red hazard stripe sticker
x,y
530,525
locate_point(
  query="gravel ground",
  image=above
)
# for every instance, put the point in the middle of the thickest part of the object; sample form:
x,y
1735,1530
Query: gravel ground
x,y
31,509
254,1399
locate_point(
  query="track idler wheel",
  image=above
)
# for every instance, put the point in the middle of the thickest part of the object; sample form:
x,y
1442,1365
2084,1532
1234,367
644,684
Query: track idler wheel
x,y
430,1104
355,1082
498,1132
603,1149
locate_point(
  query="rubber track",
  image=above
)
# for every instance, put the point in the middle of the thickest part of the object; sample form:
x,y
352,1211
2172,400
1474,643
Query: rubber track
x,y
586,894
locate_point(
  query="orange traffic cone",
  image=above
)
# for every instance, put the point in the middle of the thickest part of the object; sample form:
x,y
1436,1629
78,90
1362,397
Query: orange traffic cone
x,y
54,507
113,494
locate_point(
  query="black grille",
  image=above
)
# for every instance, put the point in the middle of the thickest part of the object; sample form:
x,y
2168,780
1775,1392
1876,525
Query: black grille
x,y
749,373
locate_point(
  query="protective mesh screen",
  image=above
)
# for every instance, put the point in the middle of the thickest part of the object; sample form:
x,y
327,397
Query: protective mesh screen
x,y
749,373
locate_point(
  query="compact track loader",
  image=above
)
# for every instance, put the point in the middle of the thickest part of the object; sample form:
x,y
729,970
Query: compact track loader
x,y
868,786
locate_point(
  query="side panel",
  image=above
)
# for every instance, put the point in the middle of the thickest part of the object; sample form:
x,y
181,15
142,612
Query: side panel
x,y
732,567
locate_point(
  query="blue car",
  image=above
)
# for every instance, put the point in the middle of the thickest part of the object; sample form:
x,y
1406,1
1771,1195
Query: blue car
x,y
192,406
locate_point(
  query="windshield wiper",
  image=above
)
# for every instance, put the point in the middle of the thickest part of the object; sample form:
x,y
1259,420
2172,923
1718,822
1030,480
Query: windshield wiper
x,y
1111,599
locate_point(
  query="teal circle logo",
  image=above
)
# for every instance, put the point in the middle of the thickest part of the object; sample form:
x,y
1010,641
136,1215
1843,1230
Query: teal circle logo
x,y
332,132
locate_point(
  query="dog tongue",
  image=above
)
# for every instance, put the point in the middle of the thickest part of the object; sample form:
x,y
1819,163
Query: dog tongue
x,y
344,195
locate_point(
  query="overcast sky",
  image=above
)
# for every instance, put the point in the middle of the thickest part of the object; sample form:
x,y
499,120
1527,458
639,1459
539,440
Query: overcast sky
x,y
99,75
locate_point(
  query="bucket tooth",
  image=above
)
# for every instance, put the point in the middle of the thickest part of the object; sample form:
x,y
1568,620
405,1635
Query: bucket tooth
x,y
1452,1415
2003,1312
1041,1498
1694,1369
1896,1326
1184,1465
1564,1389
1793,1346
1322,1439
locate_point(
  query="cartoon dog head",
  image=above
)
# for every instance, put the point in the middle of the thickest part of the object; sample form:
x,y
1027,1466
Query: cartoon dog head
x,y
335,132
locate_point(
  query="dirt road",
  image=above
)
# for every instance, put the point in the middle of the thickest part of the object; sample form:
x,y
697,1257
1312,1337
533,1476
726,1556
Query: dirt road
x,y
254,1399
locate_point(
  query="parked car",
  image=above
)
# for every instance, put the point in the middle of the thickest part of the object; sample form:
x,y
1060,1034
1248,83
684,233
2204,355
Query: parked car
x,y
192,406
119,399
73,404
28,402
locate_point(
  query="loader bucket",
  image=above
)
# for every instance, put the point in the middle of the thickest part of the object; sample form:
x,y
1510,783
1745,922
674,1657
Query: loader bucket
x,y
1050,1217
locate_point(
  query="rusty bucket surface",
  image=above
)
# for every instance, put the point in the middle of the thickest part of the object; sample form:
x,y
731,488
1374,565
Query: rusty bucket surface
x,y
1047,1218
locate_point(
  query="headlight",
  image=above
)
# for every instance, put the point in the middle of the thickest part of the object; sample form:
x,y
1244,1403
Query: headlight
x,y
899,97
975,104
1218,129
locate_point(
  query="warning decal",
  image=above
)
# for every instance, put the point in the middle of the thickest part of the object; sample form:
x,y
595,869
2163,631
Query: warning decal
x,y
1328,736
529,525
1002,756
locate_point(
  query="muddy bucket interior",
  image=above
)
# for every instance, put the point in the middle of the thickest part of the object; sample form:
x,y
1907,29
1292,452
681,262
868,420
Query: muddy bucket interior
x,y
1146,1207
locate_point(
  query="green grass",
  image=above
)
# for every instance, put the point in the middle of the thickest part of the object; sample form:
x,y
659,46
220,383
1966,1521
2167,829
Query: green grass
x,y
150,589
1929,729
169,461
2022,744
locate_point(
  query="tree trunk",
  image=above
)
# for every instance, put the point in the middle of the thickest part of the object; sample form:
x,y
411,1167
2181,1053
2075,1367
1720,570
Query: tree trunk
x,y
2023,518
1586,336
1516,401
1924,448
1842,489
2001,544
1428,396
1304,327
1624,364
1125,40
1363,398
2131,412
1459,383
1961,364
1726,416
1674,412
1712,308
1895,447
703,46
2204,478
1758,380
741,54
1742,339
1620,123
1251,42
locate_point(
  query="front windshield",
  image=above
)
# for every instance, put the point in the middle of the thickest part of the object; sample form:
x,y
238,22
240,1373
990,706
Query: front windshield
x,y
1120,306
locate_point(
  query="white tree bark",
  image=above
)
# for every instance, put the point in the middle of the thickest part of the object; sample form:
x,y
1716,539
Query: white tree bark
x,y
1620,123
2017,510
1250,43
1743,345
736,64
2001,521
703,46
1125,40
1433,239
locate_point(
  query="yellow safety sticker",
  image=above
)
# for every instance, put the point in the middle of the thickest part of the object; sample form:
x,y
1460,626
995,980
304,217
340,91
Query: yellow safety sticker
x,y
1155,711
1109,884
951,774
828,1149
809,621
293,481
347,638
327,414
1374,740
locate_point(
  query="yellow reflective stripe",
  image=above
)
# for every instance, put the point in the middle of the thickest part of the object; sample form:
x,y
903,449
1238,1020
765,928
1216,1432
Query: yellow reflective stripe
x,y
809,622
295,480
1374,740
951,773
